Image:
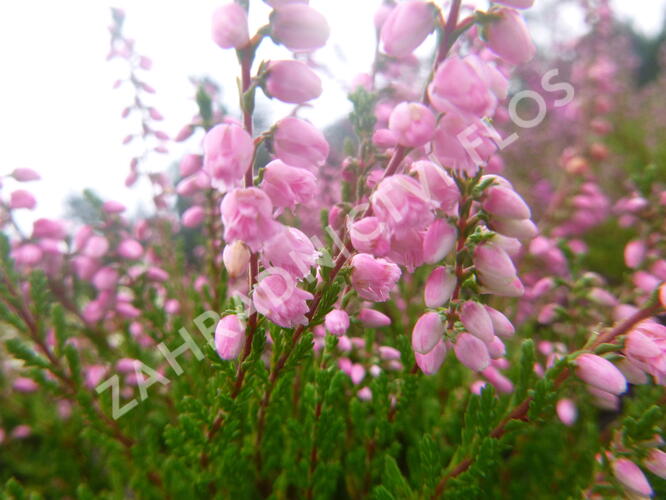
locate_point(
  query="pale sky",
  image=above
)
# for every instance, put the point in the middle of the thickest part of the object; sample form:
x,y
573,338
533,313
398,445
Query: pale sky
x,y
60,116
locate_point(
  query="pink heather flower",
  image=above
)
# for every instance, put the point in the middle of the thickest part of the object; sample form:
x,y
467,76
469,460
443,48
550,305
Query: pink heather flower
x,y
566,411
496,348
292,82
400,202
600,373
437,184
113,207
499,381
369,235
631,476
357,373
471,352
634,253
516,4
337,322
22,199
157,274
193,216
388,353
439,240
406,27
47,228
365,394
427,332
247,215
127,310
496,271
21,431
509,38
407,249
299,27
236,257
94,375
27,254
430,362
290,250
373,278
105,279
645,347
523,229
477,321
501,324
96,247
373,319
84,267
288,186
190,164
458,87
439,287
463,144
384,138
130,249
229,28
277,297
229,337
505,203
656,463
299,143
25,175
662,295
228,151
412,123
25,385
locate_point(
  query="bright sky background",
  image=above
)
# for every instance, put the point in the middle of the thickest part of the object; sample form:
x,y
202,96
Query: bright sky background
x,y
60,116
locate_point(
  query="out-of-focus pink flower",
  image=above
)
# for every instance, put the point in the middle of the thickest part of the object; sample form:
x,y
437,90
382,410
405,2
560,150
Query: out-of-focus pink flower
x,y
27,254
631,476
407,249
190,164
516,4
277,297
288,186
501,324
96,247
94,375
370,235
130,249
412,123
364,394
292,82
299,27
645,347
438,241
229,337
25,385
427,332
105,279
229,27
400,202
406,27
193,216
439,287
463,144
656,463
566,411
437,184
634,253
499,381
236,257
228,151
373,278
337,322
25,175
458,87
22,199
247,215
299,143
471,352
509,38
291,250
600,373
113,207
48,228
373,319
430,362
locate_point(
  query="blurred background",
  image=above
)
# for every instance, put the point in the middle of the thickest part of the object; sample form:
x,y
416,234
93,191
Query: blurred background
x,y
60,115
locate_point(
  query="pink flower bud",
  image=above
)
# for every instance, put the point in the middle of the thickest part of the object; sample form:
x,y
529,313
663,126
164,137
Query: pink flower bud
x,y
190,164
369,235
292,82
457,86
439,287
471,352
656,463
600,373
130,249
22,199
288,186
509,38
230,29
566,411
47,228
337,322
300,144
407,249
427,332
406,27
373,278
236,257
634,253
499,381
506,203
373,319
157,274
27,254
193,216
384,138
357,373
439,240
247,215
400,202
299,27
291,250
477,321
516,4
25,175
501,324
105,279
412,123
25,385
96,247
228,151
437,184
127,310
277,297
463,143
523,229
430,362
662,295
229,337
631,476
365,394
496,271
388,353
113,207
